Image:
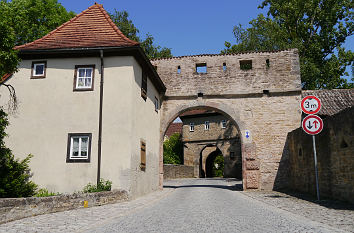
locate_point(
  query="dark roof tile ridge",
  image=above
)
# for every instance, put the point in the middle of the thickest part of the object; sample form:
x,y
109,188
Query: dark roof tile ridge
x,y
226,54
328,90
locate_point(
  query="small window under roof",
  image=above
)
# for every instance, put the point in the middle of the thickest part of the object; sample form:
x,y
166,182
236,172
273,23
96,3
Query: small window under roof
x,y
245,64
201,68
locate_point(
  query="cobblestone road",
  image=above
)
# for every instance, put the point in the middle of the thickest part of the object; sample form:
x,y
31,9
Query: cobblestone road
x,y
191,205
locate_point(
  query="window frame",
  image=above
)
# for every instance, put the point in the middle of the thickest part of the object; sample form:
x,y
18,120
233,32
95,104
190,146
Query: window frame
x,y
157,104
191,127
142,155
206,125
222,124
35,63
69,158
144,80
77,67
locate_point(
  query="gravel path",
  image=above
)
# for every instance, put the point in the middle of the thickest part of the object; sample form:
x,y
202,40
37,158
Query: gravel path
x,y
189,205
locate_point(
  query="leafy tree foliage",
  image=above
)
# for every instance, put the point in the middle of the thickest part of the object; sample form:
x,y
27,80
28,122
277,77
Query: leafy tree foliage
x,y
8,56
120,18
24,21
218,166
173,149
14,174
318,28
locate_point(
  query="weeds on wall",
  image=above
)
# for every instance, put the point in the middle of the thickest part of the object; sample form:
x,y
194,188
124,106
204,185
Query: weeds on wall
x,y
43,192
103,185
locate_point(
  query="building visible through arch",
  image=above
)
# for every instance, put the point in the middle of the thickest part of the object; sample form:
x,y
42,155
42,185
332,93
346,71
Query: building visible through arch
x,y
205,131
260,92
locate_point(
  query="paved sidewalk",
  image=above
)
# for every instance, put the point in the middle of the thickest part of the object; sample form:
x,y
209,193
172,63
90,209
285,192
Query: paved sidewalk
x,y
335,214
80,220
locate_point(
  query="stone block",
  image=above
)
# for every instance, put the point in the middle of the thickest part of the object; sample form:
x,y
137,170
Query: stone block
x,y
252,180
252,165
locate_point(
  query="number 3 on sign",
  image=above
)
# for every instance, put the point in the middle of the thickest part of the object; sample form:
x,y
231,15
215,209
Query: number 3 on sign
x,y
310,104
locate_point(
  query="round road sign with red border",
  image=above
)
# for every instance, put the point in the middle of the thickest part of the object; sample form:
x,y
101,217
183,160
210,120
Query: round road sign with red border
x,y
311,104
312,124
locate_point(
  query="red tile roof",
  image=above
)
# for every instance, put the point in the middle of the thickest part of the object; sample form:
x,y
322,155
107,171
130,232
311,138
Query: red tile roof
x,y
174,128
5,77
197,112
91,28
332,101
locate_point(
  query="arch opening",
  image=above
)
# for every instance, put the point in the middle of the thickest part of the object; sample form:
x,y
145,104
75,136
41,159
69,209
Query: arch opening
x,y
208,134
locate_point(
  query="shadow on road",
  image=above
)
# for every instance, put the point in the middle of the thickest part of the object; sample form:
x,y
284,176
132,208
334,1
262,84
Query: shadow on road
x,y
236,187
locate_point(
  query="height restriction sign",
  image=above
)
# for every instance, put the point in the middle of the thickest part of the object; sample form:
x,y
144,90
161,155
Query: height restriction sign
x,y
312,124
311,104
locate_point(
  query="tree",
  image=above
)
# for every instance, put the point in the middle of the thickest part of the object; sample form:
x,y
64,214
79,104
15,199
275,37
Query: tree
x,y
24,21
318,28
14,174
173,149
120,18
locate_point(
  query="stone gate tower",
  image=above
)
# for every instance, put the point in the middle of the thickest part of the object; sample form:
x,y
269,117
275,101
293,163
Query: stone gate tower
x,y
259,92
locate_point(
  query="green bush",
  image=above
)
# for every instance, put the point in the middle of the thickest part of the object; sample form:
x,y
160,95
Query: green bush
x,y
173,149
14,173
45,193
103,185
218,166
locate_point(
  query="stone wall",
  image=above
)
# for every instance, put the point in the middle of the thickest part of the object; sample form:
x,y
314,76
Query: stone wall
x,y
17,208
335,156
264,100
171,171
280,75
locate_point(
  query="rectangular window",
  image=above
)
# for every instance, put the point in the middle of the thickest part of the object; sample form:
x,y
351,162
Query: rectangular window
x,y
39,69
232,154
224,66
156,104
223,124
201,68
178,69
79,148
246,64
84,77
144,86
267,63
191,127
206,125
142,155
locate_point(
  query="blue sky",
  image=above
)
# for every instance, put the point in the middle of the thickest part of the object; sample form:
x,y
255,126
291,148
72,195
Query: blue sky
x,y
187,27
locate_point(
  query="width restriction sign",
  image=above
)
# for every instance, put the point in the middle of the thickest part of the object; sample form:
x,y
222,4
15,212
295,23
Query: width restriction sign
x,y
311,104
312,124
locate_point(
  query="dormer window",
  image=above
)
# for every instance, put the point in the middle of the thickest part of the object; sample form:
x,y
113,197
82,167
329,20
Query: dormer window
x,y
84,76
39,69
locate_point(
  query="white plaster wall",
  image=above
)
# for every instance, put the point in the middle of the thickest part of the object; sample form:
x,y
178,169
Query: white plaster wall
x,y
146,126
117,121
48,111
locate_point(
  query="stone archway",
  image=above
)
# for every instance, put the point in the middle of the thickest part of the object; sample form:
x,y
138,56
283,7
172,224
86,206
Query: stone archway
x,y
172,109
262,100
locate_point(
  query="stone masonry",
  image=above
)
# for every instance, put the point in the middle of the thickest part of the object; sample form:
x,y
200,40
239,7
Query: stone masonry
x,y
335,156
201,142
263,100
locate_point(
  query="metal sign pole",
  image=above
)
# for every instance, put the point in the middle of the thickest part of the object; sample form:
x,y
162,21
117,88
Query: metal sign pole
x,y
316,169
